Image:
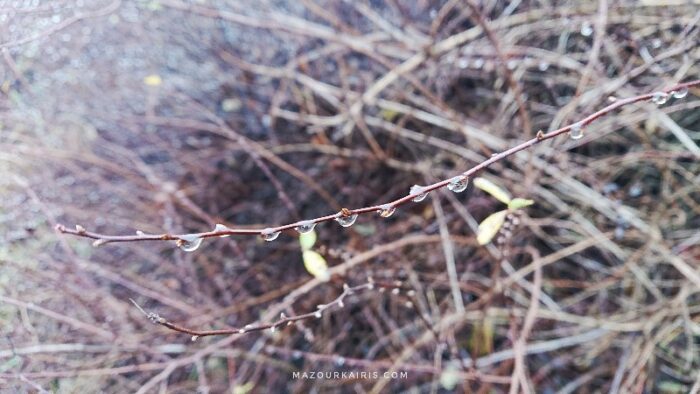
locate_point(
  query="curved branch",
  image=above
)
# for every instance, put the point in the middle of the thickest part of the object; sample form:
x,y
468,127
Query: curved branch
x,y
221,231
283,320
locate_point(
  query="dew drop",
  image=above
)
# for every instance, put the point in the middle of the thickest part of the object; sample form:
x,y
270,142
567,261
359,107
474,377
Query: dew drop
x,y
272,329
340,361
586,29
305,227
341,304
241,331
458,184
463,62
221,228
139,233
576,131
269,234
189,243
346,221
386,210
619,233
395,291
318,314
195,337
659,98
155,319
416,189
636,190
680,93
543,66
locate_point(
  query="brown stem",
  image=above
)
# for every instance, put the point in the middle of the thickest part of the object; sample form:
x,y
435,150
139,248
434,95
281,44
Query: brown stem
x,y
541,136
283,321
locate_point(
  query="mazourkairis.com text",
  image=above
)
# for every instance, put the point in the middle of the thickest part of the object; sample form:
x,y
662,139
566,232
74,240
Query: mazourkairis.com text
x,y
349,375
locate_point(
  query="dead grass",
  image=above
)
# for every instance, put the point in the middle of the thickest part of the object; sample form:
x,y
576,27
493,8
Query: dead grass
x,y
348,104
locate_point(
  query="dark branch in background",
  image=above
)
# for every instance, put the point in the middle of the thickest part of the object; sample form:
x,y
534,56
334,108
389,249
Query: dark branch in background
x,y
221,231
514,85
284,320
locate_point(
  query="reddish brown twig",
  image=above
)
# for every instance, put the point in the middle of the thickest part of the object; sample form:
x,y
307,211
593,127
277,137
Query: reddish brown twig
x,y
541,136
283,320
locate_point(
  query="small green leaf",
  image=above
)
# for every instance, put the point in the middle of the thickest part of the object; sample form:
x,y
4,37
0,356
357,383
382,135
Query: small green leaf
x,y
316,265
671,387
481,338
389,115
307,240
152,80
490,226
244,388
518,203
450,377
491,188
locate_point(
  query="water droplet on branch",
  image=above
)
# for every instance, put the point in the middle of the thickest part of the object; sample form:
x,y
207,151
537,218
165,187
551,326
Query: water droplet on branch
x,y
416,189
576,131
680,93
386,210
195,337
659,98
305,227
269,234
346,221
221,228
458,184
189,243
586,29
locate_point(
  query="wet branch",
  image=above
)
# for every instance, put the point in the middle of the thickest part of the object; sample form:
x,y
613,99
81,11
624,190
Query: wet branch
x,y
283,320
385,209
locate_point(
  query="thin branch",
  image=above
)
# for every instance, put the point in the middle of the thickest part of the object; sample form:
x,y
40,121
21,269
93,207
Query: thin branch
x,y
221,231
283,320
514,85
